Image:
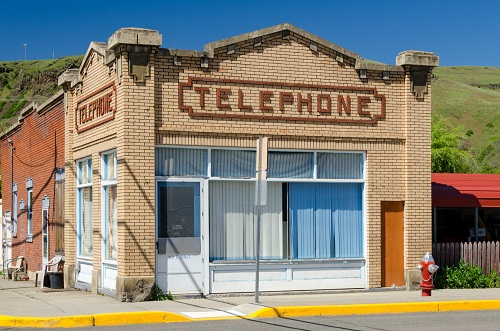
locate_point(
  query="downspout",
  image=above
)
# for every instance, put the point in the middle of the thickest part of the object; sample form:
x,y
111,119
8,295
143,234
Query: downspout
x,y
11,143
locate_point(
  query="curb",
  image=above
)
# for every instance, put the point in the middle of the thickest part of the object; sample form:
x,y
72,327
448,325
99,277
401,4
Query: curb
x,y
369,309
152,317
107,319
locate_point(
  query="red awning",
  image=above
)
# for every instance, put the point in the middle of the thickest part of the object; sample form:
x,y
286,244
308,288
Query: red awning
x,y
465,190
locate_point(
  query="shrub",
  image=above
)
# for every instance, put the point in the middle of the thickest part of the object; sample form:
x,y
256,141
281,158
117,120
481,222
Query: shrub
x,y
465,276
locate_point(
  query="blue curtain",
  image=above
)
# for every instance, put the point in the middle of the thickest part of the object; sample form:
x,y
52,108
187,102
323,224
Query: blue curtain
x,y
326,220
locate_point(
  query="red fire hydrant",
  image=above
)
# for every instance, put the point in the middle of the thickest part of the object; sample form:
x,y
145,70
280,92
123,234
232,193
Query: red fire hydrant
x,y
427,268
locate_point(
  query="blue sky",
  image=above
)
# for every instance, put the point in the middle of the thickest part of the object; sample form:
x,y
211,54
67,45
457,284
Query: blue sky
x,y
460,32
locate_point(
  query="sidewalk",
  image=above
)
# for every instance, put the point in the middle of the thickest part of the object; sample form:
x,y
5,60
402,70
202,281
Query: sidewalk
x,y
23,305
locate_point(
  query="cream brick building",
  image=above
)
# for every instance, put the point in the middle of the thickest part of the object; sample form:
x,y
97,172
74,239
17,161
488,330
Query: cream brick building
x,y
162,146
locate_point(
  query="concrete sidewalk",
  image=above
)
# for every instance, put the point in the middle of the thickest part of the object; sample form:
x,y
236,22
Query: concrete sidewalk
x,y
23,305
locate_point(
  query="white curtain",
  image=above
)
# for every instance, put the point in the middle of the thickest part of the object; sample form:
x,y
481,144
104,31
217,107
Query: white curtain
x,y
232,221
86,219
112,224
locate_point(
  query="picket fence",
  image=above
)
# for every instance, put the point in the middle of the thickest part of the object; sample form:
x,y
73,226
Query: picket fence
x,y
485,255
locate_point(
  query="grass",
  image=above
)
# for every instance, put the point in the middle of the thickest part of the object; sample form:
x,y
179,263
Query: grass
x,y
470,97
22,82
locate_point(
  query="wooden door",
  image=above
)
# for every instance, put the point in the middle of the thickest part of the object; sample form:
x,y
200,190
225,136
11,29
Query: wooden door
x,y
392,243
59,218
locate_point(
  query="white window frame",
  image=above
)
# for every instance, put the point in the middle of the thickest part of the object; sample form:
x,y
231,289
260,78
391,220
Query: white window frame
x,y
79,212
14,212
107,182
29,214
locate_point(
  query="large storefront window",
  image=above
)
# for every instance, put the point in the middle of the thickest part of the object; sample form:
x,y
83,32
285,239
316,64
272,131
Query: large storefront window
x,y
110,239
314,207
84,207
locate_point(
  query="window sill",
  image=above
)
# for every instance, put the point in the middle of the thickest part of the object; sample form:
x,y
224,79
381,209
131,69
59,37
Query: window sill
x,y
290,261
29,239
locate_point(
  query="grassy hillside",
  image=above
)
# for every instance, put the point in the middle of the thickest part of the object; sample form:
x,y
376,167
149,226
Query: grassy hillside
x,y
470,97
22,82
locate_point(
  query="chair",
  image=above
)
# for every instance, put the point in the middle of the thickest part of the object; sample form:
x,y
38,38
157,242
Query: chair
x,y
14,270
46,269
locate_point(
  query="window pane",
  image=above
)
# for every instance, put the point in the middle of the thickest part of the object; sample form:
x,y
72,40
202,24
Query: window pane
x,y
340,165
232,216
326,220
84,172
181,162
112,223
179,210
290,165
86,221
110,162
30,212
233,164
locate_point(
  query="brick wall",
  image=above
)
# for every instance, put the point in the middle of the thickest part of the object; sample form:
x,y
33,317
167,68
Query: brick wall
x,y
38,140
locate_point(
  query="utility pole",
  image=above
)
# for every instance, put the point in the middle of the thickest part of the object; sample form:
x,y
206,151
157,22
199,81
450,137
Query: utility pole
x,y
25,51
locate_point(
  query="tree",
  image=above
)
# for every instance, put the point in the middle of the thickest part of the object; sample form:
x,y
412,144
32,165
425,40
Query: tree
x,y
447,151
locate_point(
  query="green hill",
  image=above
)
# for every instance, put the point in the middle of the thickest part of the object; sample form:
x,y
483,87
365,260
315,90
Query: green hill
x,y
22,82
463,96
470,97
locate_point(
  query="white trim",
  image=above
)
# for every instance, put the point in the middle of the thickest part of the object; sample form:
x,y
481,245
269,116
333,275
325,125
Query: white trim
x,y
109,266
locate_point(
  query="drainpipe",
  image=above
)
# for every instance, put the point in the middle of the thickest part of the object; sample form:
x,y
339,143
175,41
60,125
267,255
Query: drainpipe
x,y
11,143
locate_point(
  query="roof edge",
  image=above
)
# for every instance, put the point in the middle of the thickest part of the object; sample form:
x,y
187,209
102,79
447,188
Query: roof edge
x,y
32,106
210,47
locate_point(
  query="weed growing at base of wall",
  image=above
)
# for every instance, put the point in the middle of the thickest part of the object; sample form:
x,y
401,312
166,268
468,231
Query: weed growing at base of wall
x,y
465,276
157,294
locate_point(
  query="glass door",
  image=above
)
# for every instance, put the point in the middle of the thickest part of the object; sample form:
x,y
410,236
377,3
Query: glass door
x,y
179,242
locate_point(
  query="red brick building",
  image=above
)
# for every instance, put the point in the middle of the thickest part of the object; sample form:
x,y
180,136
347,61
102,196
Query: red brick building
x,y
32,153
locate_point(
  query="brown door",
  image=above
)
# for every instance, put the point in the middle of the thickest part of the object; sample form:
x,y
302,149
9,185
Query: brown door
x,y
392,243
59,217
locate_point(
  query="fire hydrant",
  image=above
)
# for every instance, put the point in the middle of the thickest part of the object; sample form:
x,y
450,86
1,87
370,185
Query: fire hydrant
x,y
427,268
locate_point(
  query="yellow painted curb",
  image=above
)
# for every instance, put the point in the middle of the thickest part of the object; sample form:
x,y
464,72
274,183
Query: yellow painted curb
x,y
146,317
47,322
469,305
356,309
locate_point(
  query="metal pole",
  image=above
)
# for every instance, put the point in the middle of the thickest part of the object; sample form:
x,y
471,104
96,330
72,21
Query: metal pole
x,y
257,232
25,51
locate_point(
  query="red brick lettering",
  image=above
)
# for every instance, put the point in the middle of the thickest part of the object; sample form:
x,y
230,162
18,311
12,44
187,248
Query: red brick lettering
x,y
285,97
202,91
307,101
362,103
240,102
223,94
326,97
344,104
265,97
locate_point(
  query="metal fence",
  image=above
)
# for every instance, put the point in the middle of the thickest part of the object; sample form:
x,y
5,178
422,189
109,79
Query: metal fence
x,y
485,255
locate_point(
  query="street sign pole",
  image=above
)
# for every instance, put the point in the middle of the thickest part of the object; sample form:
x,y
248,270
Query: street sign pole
x,y
258,210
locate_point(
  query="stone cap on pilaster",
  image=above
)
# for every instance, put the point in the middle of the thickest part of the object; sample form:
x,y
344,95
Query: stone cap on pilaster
x,y
135,36
69,76
417,58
